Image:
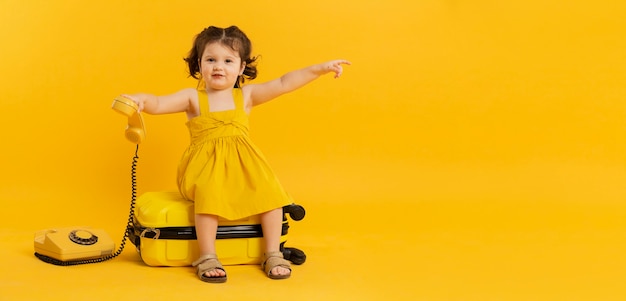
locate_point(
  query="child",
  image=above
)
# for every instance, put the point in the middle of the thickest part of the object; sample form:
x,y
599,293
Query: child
x,y
222,171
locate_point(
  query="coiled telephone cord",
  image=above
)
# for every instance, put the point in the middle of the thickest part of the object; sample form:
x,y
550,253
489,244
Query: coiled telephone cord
x,y
129,226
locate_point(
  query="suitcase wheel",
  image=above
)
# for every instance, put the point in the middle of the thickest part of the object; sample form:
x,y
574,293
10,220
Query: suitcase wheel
x,y
296,212
296,256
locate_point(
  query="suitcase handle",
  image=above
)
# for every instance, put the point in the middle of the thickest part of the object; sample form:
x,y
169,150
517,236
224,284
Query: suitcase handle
x,y
156,232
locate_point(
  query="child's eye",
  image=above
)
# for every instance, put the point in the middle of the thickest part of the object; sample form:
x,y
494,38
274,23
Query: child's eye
x,y
229,61
210,60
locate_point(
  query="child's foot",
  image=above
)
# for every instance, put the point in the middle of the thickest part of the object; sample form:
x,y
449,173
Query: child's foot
x,y
210,269
280,271
215,273
275,266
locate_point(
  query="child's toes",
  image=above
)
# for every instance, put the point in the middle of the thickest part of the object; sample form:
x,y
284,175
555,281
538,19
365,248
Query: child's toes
x,y
280,271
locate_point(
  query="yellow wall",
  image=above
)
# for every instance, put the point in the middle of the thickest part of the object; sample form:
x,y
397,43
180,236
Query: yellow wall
x,y
446,100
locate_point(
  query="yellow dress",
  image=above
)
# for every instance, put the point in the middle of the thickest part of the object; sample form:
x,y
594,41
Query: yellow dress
x,y
222,170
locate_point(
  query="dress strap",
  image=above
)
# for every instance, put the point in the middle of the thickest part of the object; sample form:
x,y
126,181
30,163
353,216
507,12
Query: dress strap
x,y
203,102
238,98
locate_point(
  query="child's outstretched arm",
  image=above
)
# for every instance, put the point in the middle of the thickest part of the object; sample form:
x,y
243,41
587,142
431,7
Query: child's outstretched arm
x,y
261,93
180,101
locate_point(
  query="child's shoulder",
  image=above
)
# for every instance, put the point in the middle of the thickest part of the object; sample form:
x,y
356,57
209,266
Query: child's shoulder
x,y
191,93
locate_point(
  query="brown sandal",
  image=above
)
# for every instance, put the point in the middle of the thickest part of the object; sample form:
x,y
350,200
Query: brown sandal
x,y
275,259
207,263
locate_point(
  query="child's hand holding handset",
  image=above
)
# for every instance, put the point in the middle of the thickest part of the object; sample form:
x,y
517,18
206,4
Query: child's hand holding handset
x,y
135,100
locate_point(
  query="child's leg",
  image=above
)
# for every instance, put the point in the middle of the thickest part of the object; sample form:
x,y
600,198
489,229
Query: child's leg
x,y
272,223
206,231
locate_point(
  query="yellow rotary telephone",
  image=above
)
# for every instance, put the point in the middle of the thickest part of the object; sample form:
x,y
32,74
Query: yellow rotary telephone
x,y
82,245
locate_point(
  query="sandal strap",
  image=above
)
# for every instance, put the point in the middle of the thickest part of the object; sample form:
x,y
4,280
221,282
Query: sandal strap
x,y
275,259
207,263
204,258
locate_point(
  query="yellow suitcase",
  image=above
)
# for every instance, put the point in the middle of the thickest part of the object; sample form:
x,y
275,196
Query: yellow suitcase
x,y
164,234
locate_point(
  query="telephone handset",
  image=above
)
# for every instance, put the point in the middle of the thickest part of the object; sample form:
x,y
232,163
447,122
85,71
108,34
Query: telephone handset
x,y
135,131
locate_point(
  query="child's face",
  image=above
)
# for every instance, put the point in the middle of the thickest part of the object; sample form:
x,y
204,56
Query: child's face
x,y
220,66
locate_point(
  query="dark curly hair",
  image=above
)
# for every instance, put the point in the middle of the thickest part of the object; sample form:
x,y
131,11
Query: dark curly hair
x,y
231,37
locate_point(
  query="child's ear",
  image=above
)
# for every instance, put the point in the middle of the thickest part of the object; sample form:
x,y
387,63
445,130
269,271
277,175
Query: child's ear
x,y
243,67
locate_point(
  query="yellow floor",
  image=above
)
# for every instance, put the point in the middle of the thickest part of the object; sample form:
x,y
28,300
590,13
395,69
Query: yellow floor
x,y
455,250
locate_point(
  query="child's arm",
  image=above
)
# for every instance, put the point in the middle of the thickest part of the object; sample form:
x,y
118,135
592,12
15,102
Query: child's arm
x,y
261,93
180,101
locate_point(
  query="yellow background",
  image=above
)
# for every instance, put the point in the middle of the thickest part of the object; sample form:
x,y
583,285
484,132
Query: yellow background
x,y
473,151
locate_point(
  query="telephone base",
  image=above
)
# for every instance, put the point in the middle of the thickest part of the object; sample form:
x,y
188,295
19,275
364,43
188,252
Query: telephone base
x,y
70,244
